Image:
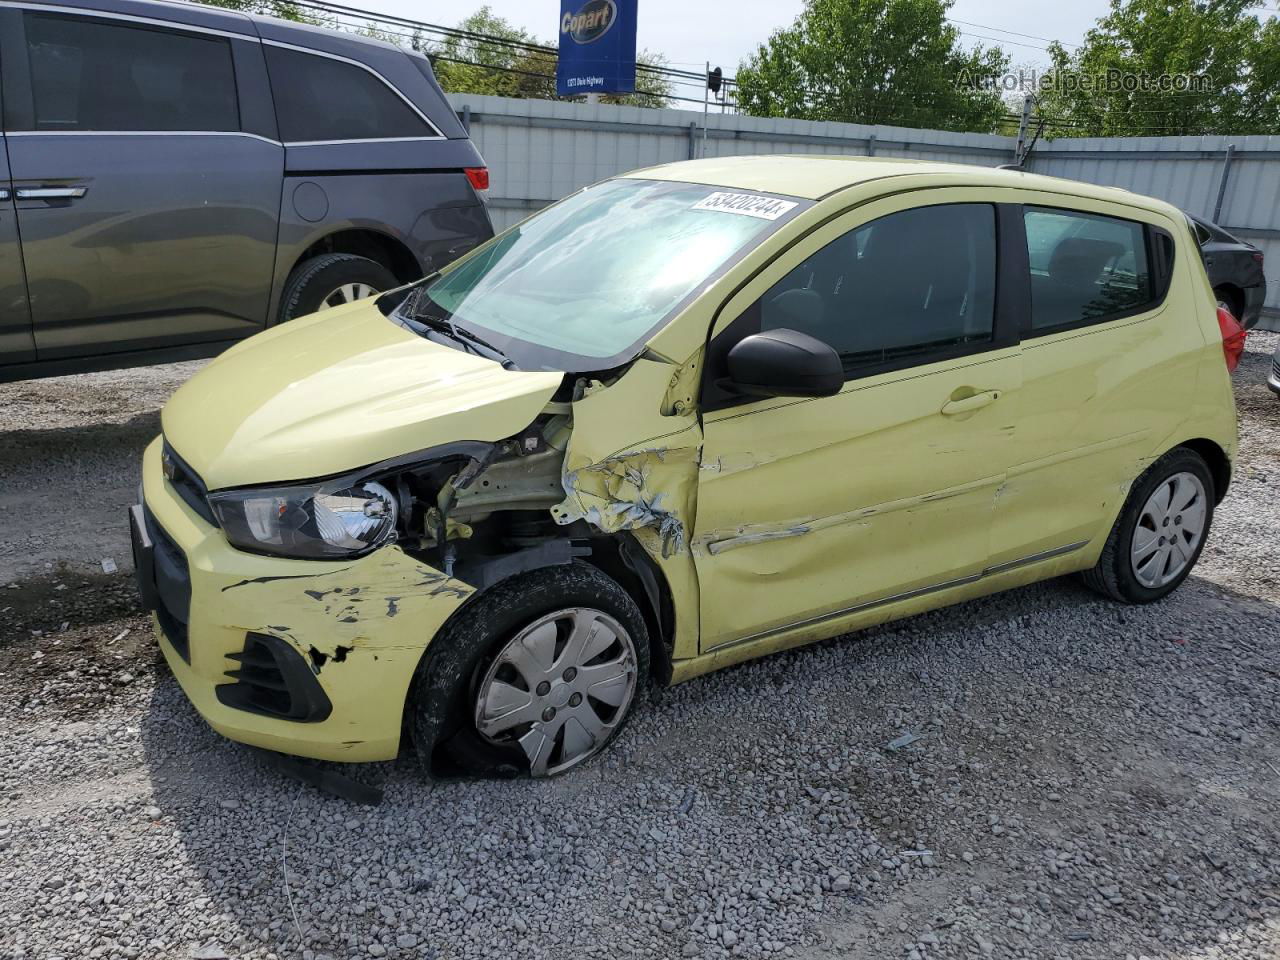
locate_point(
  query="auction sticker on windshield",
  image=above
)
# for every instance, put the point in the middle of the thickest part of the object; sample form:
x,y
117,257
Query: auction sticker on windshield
x,y
747,204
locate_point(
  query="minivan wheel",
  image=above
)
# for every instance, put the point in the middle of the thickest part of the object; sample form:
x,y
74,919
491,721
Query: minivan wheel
x,y
536,676
331,280
1160,533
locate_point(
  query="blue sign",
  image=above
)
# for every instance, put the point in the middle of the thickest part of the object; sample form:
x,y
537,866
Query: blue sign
x,y
597,47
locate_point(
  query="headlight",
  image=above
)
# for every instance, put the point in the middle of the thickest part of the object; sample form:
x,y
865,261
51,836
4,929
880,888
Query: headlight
x,y
333,520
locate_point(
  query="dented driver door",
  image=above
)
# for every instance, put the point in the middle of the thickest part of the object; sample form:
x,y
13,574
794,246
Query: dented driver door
x,y
813,510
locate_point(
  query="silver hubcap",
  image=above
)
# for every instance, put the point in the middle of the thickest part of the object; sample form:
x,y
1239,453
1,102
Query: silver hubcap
x,y
559,688
347,293
1169,530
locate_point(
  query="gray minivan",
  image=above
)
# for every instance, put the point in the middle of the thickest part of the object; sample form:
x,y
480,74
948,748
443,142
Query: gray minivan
x,y
174,178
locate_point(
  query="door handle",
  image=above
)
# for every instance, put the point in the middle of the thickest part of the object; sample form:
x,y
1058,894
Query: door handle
x,y
50,193
968,404
4,194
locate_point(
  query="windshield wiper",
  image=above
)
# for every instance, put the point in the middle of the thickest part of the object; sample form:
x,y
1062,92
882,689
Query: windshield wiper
x,y
465,338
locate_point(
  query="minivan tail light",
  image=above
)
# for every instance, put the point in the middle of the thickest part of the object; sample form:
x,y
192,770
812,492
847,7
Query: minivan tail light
x,y
479,178
1257,255
1233,337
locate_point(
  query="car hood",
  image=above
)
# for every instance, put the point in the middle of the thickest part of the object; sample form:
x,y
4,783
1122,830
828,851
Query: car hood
x,y
337,391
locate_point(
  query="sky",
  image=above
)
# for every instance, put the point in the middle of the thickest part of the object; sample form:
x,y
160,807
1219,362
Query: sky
x,y
690,33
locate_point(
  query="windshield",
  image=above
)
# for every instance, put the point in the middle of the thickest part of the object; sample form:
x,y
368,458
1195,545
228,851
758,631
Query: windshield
x,y
582,285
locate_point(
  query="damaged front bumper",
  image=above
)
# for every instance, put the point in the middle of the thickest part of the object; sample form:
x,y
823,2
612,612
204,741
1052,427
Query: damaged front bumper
x,y
311,658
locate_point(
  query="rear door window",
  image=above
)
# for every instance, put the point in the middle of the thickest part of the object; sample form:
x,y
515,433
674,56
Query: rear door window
x,y
910,287
99,75
319,98
1085,268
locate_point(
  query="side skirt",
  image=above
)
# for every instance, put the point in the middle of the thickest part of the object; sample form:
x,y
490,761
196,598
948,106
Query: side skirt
x,y
1004,576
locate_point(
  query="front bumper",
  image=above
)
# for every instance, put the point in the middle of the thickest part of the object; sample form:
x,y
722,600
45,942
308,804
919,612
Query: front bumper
x,y
304,657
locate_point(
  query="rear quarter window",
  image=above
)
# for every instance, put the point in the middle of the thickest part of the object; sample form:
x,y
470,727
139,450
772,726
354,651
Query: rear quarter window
x,y
1085,268
319,98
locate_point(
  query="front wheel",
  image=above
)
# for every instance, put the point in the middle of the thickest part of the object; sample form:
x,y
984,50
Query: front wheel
x,y
536,676
1160,533
332,280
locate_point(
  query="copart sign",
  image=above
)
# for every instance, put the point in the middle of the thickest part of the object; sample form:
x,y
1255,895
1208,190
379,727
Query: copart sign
x,y
597,47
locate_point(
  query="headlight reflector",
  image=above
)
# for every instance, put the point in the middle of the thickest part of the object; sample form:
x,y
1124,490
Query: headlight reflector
x,y
331,520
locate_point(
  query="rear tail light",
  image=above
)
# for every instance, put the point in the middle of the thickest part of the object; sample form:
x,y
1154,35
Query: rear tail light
x,y
479,179
1233,337
1257,255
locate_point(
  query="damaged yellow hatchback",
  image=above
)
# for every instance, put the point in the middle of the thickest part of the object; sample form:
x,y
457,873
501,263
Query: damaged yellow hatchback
x,y
680,419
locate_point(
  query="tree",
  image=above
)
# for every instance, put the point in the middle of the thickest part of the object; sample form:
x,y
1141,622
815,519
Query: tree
x,y
1222,65
507,61
283,9
501,60
874,61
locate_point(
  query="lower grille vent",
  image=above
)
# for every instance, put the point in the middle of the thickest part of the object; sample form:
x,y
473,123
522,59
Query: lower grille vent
x,y
275,680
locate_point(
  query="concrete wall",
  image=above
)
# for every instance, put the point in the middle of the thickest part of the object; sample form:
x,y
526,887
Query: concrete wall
x,y
540,150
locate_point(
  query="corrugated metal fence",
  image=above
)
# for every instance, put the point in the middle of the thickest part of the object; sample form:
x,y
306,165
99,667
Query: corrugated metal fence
x,y
540,150
1233,181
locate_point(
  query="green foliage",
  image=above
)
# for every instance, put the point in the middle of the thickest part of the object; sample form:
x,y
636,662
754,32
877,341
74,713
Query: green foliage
x,y
1221,41
271,8
893,62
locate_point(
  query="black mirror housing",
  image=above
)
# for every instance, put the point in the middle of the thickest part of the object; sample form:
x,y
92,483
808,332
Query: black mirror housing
x,y
785,363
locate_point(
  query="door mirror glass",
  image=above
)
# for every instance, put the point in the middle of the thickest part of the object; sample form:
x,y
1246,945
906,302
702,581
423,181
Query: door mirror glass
x,y
785,363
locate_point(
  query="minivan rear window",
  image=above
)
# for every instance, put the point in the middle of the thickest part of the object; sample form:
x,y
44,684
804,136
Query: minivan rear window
x,y
319,98
99,75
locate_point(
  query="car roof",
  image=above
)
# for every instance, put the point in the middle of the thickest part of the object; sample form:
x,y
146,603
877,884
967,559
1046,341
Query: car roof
x,y
814,176
184,12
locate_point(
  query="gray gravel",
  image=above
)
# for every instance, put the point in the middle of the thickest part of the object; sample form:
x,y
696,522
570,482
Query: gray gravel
x,y
75,443
1086,780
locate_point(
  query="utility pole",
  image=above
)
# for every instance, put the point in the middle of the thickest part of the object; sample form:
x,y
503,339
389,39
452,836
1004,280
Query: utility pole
x,y
1020,148
706,92
715,79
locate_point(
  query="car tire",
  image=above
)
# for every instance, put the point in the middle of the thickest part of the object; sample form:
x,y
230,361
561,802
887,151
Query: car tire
x,y
470,661
331,280
1120,572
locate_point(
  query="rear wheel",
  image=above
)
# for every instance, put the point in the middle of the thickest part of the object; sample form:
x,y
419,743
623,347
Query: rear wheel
x,y
1160,533
536,676
332,280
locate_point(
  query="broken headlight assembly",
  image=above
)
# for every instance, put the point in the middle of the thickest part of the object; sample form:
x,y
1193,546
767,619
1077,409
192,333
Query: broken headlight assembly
x,y
330,520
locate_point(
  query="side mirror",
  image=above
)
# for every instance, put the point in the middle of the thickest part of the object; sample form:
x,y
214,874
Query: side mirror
x,y
784,363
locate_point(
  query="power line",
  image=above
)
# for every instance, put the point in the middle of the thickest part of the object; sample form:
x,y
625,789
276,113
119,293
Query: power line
x,y
979,36
1028,36
406,28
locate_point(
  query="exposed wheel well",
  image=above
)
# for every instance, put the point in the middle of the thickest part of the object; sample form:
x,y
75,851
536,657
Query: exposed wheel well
x,y
388,251
623,559
1219,464
1234,296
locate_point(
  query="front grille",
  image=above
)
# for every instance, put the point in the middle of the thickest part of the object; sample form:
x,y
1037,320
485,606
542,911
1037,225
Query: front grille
x,y
275,680
173,587
187,484
1275,364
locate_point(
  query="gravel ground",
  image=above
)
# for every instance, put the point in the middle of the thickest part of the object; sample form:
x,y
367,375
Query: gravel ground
x,y
1088,781
75,443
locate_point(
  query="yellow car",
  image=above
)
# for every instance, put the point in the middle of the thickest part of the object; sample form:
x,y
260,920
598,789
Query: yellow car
x,y
683,418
